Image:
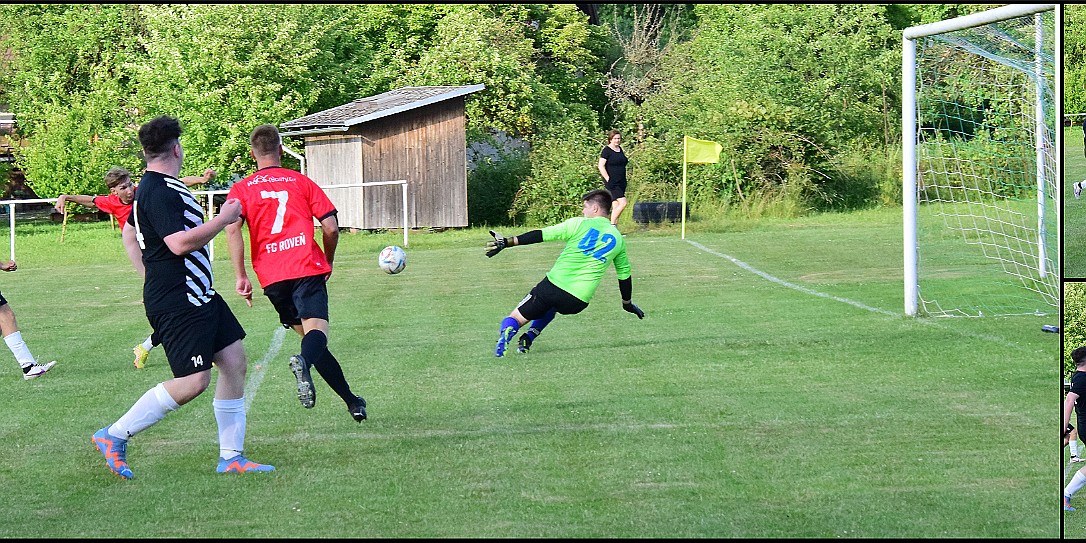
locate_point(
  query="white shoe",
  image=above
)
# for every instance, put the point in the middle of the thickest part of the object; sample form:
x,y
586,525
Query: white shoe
x,y
37,370
1076,459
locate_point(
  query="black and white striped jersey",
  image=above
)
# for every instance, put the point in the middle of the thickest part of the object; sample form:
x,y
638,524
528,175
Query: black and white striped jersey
x,y
164,206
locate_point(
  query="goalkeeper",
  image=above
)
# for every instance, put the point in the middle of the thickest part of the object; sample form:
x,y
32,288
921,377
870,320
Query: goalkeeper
x,y
592,243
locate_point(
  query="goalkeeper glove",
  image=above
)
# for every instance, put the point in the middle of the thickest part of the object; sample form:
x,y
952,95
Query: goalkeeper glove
x,y
495,247
630,307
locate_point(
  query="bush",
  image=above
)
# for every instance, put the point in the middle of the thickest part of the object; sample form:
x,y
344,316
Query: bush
x,y
563,169
492,186
861,178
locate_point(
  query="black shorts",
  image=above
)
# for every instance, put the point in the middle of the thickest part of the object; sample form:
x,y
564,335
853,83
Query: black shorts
x,y
617,189
545,297
191,336
297,299
3,300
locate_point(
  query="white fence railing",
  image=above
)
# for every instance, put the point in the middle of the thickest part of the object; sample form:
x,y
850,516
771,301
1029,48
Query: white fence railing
x,y
11,204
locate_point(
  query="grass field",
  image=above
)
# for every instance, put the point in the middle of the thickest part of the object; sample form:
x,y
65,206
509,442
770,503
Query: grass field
x,y
1074,209
772,390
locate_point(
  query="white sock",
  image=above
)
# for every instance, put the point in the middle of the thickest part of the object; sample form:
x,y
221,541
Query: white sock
x,y
149,409
19,349
1074,447
230,414
1075,485
147,344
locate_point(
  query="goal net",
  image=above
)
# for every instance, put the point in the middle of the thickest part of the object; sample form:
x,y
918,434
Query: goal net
x,y
981,199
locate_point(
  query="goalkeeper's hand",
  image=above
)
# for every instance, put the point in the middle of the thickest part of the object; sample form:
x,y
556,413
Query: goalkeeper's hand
x,y
630,307
495,247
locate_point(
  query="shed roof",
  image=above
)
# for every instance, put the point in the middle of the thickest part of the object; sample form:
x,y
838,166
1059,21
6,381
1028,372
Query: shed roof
x,y
341,118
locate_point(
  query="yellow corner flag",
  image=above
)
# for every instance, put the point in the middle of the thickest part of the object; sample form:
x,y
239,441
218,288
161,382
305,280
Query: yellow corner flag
x,y
701,151
697,152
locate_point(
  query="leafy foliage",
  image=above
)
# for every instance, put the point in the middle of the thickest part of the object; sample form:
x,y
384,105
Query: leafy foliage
x,y
1074,58
563,168
797,94
781,87
492,185
1074,323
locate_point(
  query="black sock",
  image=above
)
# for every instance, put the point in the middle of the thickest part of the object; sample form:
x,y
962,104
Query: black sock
x,y
316,354
314,345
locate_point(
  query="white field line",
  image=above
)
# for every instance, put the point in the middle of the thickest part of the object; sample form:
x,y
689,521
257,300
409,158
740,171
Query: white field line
x,y
782,282
261,367
805,290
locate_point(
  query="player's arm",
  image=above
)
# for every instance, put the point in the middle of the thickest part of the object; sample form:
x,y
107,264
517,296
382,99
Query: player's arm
x,y
235,243
501,242
190,180
1068,406
81,199
184,242
132,247
625,289
625,283
330,237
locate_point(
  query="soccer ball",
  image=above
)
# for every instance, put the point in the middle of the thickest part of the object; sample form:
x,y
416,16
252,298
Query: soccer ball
x,y
392,259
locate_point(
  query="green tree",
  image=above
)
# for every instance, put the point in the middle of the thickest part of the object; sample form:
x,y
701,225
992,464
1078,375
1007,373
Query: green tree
x,y
1074,58
221,71
67,83
784,88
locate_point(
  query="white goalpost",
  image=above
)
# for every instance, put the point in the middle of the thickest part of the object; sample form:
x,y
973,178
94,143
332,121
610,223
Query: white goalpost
x,y
981,137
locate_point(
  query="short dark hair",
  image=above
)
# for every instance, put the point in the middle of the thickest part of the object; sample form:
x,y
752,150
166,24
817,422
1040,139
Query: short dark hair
x,y
1079,356
158,135
600,197
265,140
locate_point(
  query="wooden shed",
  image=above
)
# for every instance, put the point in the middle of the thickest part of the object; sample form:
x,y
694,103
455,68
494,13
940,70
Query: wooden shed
x,y
416,134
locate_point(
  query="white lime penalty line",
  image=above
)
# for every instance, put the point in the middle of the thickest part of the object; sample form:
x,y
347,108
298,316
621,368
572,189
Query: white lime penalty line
x,y
801,288
261,367
782,282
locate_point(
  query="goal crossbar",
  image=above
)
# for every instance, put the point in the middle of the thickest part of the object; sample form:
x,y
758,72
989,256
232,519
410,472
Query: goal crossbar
x,y
976,19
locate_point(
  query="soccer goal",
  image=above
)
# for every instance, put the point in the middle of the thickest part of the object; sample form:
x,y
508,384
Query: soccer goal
x,y
980,135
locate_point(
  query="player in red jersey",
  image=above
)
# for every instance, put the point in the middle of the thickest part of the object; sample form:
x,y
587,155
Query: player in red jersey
x,y
280,204
119,204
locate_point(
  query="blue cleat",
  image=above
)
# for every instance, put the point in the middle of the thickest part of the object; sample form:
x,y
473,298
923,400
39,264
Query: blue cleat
x,y
240,464
1067,504
503,341
114,450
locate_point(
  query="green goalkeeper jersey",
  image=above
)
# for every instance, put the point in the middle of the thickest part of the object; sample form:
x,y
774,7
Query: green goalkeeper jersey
x,y
591,245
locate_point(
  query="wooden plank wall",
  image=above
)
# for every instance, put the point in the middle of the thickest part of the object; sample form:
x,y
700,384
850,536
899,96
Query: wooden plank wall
x,y
337,160
427,147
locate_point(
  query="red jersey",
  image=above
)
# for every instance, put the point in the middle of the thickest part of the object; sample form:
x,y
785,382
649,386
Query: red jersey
x,y
280,204
112,204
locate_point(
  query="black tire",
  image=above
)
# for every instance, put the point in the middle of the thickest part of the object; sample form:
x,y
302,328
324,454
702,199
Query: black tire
x,y
646,212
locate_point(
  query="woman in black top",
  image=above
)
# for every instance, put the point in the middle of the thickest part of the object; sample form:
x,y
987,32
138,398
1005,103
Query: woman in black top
x,y
612,167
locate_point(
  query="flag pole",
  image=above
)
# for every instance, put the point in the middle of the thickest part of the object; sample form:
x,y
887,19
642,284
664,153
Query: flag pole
x,y
684,191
